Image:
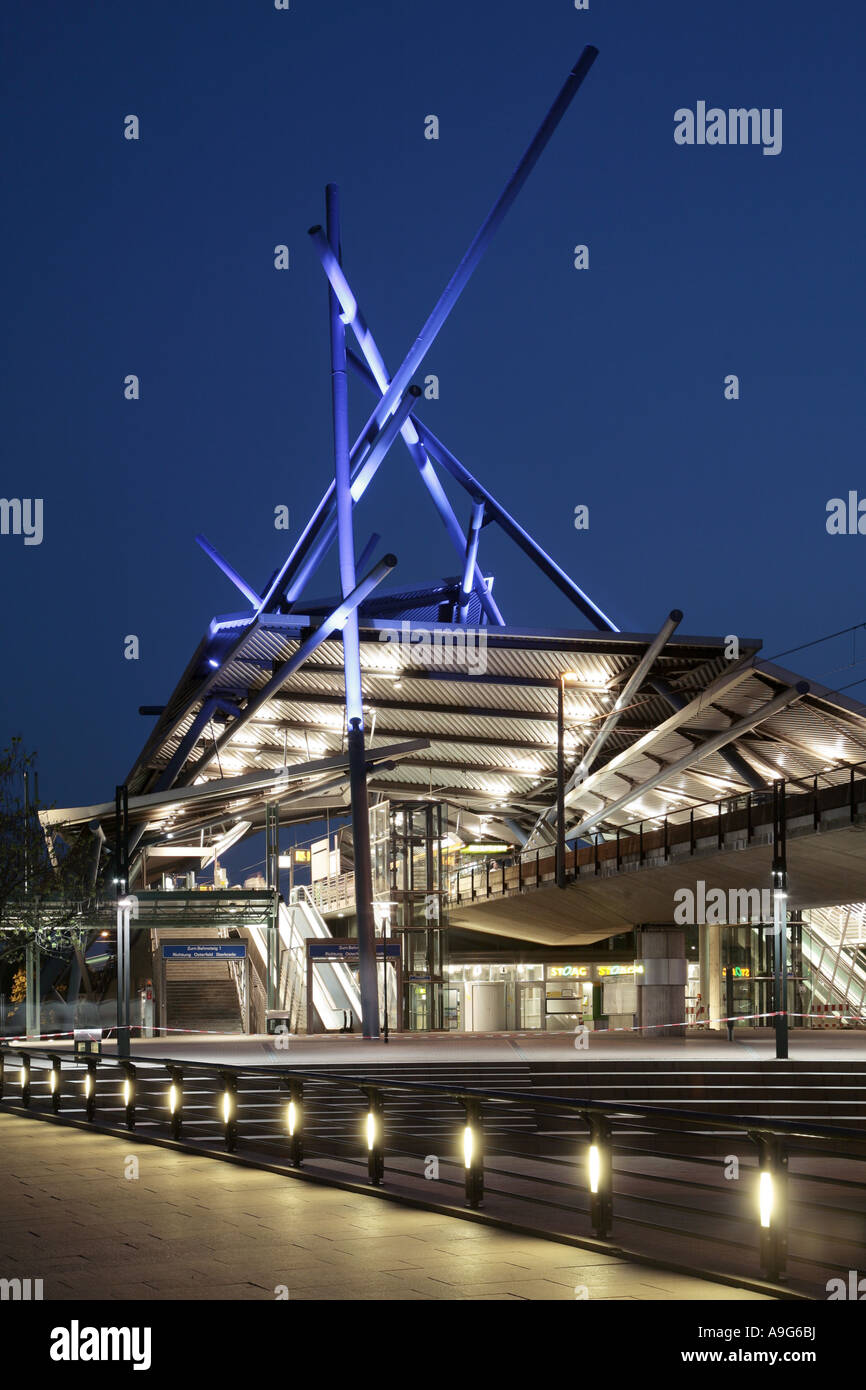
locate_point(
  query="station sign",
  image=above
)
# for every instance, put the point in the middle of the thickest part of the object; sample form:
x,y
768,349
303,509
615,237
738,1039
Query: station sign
x,y
206,950
347,951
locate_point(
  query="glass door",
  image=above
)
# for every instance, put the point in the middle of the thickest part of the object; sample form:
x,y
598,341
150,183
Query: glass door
x,y
531,1006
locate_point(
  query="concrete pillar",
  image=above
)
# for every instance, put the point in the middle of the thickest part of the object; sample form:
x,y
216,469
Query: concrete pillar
x,y
710,960
661,983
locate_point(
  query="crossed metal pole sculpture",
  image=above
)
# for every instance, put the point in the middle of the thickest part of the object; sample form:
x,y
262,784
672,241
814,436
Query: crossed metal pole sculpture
x,y
355,467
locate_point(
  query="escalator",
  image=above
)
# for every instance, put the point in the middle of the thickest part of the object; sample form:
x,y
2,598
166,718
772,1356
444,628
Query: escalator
x,y
336,1001
833,942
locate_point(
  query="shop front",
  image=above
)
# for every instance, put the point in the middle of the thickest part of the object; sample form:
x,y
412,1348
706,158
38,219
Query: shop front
x,y
552,997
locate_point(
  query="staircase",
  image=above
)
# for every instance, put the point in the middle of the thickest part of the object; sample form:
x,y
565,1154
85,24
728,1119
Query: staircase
x,y
202,996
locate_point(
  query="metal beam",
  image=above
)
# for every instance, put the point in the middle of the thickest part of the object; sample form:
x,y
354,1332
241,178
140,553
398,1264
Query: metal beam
x,y
692,710
375,374
333,623
363,881
228,570
480,242
631,687
444,457
696,755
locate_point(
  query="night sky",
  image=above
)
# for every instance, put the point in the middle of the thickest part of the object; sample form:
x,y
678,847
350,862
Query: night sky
x,y
559,387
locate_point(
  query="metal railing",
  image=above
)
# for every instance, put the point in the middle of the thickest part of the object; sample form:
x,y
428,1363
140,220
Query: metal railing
x,y
718,818
561,1167
332,894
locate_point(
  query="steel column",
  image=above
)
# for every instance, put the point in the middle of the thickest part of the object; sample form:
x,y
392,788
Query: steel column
x,y
780,919
351,651
124,1010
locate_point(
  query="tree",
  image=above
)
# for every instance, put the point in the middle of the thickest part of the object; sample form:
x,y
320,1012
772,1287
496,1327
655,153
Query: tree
x,y
45,885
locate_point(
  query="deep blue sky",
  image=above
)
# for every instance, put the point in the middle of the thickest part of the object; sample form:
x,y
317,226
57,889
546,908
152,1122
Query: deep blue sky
x,y
558,387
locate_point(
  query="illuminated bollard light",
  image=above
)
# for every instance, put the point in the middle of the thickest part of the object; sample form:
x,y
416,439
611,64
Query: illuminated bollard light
x,y
54,1084
90,1091
473,1154
772,1204
229,1111
128,1093
295,1123
600,1173
25,1081
375,1134
175,1102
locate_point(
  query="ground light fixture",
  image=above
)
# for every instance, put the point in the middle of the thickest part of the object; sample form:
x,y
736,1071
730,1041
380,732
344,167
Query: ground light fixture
x,y
599,1167
765,1198
229,1110
90,1092
129,1096
772,1204
473,1158
54,1084
375,1131
295,1122
175,1102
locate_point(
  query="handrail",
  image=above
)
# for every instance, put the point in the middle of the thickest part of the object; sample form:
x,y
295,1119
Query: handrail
x,y
720,807
771,1138
540,1100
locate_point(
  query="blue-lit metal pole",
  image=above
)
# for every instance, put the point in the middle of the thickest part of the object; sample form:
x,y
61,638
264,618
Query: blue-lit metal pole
x,y
352,652
482,239
446,303
437,450
364,475
377,378
342,474
333,623
471,555
228,570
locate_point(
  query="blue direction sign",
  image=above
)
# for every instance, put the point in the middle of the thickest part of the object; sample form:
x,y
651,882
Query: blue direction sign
x,y
348,950
206,950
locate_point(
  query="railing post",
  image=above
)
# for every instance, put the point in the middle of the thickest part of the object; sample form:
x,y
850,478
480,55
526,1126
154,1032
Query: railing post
x,y
230,1111
375,1136
473,1153
600,1163
295,1122
667,843
816,815
175,1100
853,799
129,1095
641,843
692,830
618,851
748,818
25,1080
90,1091
772,1203
54,1083
720,831
519,871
